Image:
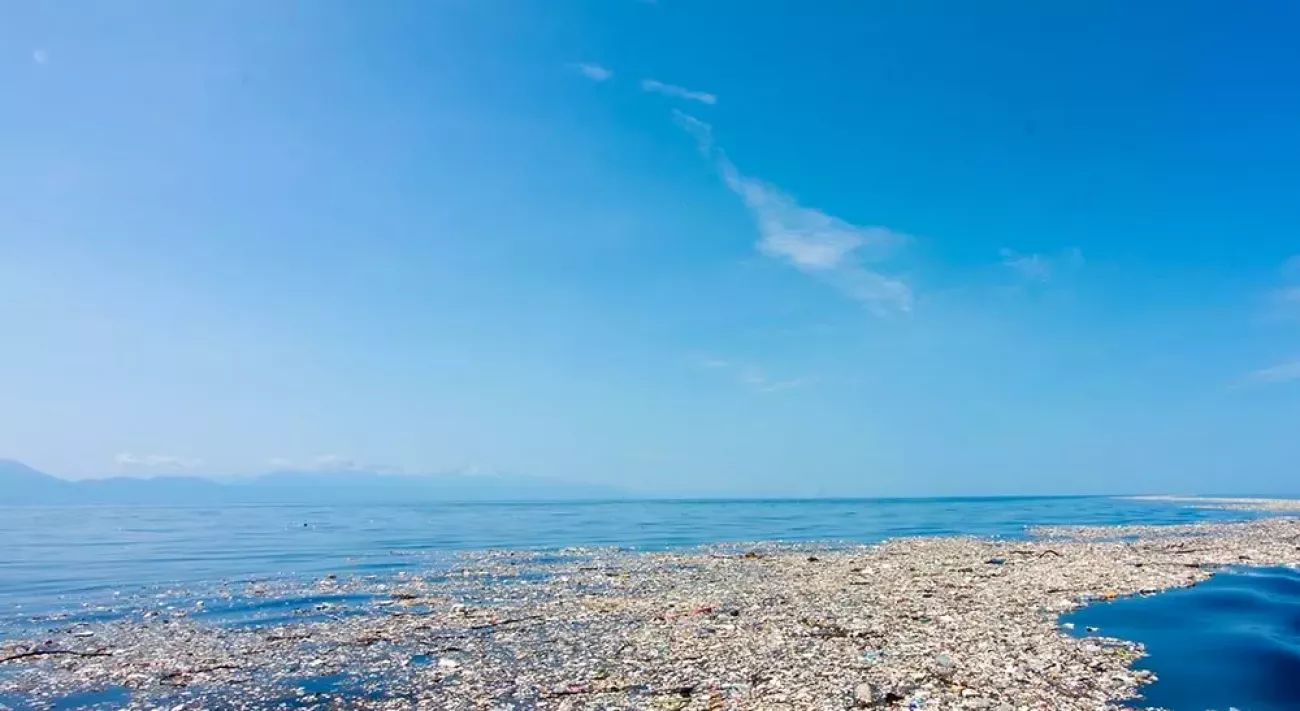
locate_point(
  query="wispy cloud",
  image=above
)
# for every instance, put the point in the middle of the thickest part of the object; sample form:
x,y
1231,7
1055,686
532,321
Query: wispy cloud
x,y
1289,295
40,56
1283,303
1031,266
702,131
1283,373
1040,267
333,461
476,470
820,245
658,87
760,382
330,462
751,376
595,72
1291,267
127,460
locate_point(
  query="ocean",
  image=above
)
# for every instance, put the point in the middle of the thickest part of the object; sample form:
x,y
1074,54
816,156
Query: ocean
x,y
96,563
1230,642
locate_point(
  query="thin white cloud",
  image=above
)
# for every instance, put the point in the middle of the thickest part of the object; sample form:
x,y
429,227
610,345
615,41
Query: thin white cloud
x,y
1283,373
1034,267
751,376
476,470
760,382
1283,303
330,462
1073,257
702,131
595,72
820,245
1040,267
658,87
1288,296
40,56
1291,267
127,460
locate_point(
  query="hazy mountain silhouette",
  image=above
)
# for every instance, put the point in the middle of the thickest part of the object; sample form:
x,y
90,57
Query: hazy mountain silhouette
x,y
20,484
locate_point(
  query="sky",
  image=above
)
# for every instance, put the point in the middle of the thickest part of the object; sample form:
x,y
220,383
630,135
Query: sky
x,y
724,248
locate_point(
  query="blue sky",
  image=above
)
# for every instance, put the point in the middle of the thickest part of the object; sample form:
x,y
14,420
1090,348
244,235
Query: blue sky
x,y
688,248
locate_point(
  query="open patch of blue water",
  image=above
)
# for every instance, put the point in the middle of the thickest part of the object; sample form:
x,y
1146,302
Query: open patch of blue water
x,y
115,697
1230,642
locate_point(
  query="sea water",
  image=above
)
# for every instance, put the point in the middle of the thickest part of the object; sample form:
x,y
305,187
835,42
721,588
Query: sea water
x,y
1230,642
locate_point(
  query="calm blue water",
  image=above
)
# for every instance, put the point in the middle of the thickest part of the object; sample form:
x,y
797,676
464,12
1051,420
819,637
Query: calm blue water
x,y
1230,642
54,559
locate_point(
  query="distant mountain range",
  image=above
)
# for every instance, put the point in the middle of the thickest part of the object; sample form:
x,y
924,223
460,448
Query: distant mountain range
x,y
23,485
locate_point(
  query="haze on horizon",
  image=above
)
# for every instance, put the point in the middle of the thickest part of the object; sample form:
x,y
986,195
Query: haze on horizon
x,y
671,247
